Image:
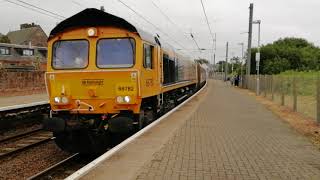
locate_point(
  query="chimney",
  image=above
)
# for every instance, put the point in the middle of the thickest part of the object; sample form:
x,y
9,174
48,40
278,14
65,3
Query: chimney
x,y
26,25
23,26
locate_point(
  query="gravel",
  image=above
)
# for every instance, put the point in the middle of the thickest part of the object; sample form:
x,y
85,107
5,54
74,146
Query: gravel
x,y
19,130
66,169
31,161
25,141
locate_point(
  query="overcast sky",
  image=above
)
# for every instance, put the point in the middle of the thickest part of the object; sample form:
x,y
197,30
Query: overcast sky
x,y
227,18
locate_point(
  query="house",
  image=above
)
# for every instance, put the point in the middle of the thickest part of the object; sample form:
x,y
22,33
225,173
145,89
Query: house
x,y
29,34
26,50
15,57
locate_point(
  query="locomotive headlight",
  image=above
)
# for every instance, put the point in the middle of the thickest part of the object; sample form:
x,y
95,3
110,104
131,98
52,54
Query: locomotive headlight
x,y
61,100
92,32
64,100
57,100
127,99
119,99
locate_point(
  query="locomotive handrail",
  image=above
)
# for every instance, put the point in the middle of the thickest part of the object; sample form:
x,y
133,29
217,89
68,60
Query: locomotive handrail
x,y
91,108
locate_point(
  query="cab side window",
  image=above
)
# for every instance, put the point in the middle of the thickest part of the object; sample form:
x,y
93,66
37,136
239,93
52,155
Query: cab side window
x,y
147,51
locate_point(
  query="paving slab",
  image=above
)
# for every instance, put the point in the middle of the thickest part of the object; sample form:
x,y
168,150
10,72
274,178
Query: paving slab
x,y
18,100
222,134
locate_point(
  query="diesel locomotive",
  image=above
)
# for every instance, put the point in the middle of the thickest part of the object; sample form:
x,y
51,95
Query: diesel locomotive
x,y
105,77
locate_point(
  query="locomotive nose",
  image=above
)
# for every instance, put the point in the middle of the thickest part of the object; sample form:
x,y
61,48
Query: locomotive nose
x,y
101,92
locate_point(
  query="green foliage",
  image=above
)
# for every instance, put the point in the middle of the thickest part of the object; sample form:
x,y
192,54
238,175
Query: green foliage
x,y
4,39
306,81
276,65
202,61
287,54
235,62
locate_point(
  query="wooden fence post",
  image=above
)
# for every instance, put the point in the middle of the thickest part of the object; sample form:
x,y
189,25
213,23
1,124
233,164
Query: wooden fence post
x,y
318,99
249,81
265,86
294,93
282,92
272,86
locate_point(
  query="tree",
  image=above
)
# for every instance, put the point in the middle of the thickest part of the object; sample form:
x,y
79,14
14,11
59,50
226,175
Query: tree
x,y
4,39
202,61
286,54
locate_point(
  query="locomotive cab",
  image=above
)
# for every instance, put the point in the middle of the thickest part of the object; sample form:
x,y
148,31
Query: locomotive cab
x,y
93,74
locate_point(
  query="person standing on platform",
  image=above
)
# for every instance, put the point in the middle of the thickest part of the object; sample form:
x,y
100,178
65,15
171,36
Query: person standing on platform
x,y
236,80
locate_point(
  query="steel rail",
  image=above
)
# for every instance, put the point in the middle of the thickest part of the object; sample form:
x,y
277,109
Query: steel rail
x,y
51,168
21,144
18,136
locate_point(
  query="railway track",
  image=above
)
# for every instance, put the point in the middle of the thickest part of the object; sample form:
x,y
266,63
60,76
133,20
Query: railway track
x,y
13,116
20,142
63,168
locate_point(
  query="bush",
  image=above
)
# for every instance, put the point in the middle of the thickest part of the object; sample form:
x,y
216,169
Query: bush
x,y
287,54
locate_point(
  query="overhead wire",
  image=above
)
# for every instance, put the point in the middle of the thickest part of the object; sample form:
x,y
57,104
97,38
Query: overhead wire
x,y
207,20
209,27
172,22
60,17
79,4
195,42
33,9
168,18
37,7
152,24
130,18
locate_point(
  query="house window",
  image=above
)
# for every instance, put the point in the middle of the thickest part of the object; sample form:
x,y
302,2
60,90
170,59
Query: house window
x,y
27,52
147,63
4,51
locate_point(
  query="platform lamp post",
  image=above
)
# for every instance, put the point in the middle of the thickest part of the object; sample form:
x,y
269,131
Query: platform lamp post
x,y
258,58
242,46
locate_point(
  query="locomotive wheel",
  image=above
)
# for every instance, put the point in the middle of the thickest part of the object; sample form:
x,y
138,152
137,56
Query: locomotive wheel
x,y
149,116
146,117
82,141
73,142
141,120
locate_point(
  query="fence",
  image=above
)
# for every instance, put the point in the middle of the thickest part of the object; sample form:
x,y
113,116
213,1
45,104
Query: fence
x,y
298,91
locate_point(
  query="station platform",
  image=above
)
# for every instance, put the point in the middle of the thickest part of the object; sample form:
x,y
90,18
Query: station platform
x,y
222,133
15,102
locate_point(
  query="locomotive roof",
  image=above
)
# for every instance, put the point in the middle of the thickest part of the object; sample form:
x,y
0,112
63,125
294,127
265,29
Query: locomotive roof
x,y
92,17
